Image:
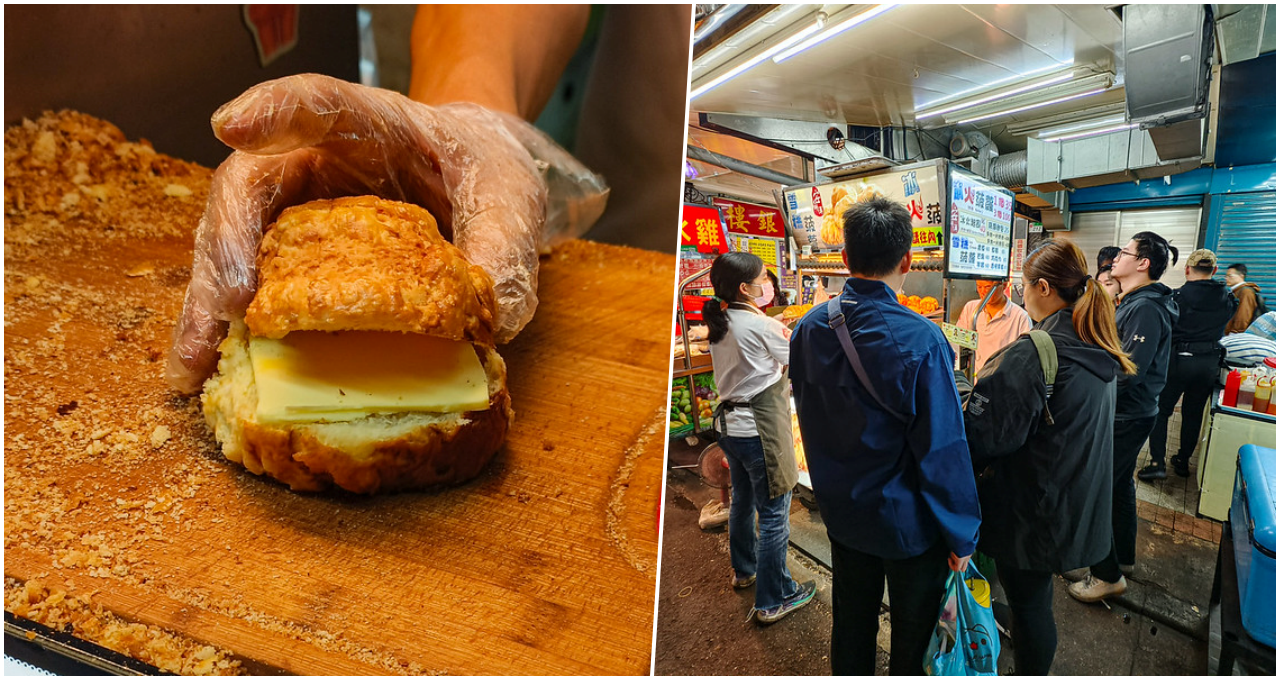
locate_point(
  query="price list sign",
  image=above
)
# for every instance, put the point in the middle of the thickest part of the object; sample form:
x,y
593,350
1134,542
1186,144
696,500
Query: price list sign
x,y
980,228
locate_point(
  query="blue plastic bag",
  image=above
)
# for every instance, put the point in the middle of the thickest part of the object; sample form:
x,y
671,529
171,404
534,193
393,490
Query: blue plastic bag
x,y
965,641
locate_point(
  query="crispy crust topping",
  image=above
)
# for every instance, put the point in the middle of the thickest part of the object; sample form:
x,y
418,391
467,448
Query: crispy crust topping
x,y
365,263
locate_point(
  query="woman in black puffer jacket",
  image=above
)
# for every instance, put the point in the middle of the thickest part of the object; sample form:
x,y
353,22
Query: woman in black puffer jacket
x,y
1046,454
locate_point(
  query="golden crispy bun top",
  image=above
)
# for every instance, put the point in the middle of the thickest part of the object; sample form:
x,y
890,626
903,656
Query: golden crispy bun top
x,y
365,263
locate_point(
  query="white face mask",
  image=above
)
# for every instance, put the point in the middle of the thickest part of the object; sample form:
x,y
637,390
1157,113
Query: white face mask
x,y
766,294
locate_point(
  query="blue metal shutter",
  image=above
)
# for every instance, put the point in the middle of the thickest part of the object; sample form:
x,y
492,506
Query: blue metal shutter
x,y
1242,228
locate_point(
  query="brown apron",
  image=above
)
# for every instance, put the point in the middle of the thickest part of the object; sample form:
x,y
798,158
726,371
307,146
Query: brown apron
x,y
772,411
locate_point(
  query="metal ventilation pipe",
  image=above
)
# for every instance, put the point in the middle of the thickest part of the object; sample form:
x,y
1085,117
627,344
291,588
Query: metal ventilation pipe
x,y
700,154
1010,169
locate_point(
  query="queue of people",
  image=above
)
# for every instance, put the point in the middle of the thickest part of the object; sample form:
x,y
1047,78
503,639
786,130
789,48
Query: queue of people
x,y
1035,467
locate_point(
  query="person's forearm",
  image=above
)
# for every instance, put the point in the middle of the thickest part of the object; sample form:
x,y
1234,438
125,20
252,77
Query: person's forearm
x,y
507,58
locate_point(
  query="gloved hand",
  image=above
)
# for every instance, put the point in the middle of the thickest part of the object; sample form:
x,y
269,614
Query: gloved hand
x,y
500,189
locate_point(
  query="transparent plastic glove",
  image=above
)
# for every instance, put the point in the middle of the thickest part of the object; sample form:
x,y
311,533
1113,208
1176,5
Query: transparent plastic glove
x,y
500,190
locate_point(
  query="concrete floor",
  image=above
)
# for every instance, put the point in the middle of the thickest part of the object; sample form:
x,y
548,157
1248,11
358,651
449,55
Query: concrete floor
x,y
1159,627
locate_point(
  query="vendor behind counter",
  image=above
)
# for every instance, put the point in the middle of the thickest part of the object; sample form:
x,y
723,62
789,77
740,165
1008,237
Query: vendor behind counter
x,y
160,71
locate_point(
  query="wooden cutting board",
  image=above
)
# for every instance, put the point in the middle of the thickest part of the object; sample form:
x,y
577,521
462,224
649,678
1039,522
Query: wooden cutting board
x,y
116,493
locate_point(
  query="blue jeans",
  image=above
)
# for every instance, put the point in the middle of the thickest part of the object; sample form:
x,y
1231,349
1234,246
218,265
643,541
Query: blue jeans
x,y
765,557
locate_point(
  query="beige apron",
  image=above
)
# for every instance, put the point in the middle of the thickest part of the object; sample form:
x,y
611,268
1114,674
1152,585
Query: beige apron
x,y
772,411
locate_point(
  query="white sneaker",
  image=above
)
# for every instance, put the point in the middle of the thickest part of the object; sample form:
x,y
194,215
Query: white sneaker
x,y
1076,574
1093,589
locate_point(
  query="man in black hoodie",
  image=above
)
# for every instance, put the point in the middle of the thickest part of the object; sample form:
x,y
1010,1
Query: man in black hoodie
x,y
1145,319
1205,307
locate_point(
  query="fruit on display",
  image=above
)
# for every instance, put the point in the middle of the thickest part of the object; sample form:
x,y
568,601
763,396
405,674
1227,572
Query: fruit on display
x,y
700,398
704,388
680,413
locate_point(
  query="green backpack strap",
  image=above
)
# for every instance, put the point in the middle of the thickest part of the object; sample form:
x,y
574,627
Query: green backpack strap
x,y
1048,366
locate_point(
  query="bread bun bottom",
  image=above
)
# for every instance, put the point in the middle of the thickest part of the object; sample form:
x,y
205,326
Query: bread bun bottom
x,y
377,453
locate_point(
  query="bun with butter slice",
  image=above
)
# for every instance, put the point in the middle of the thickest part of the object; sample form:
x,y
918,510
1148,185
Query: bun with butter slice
x,y
366,359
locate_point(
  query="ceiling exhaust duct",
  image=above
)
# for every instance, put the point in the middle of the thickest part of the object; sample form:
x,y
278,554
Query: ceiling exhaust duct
x,y
1168,52
1010,169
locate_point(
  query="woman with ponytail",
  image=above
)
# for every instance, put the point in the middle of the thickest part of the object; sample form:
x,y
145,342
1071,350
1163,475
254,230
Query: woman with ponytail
x,y
1045,448
749,351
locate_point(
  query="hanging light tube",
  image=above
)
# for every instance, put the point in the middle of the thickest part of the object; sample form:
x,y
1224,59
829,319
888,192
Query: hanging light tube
x,y
1045,82
1036,105
833,31
954,98
753,61
1090,133
1077,127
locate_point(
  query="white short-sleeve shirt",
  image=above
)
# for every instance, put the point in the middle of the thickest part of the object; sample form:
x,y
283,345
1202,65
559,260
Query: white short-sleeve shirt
x,y
747,360
996,332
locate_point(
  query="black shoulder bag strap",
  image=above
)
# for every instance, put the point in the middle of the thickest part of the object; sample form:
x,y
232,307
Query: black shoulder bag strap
x,y
835,319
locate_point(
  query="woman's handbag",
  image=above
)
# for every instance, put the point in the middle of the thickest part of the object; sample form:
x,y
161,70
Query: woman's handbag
x,y
965,641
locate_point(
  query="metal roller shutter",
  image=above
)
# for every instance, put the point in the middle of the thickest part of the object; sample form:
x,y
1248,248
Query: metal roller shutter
x,y
1092,232
1246,232
1180,226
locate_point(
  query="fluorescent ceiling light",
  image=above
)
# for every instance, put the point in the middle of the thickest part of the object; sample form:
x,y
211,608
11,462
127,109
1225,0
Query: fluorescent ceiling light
x,y
1034,105
833,31
990,86
1090,133
749,64
1040,97
1087,125
1034,85
1087,113
757,33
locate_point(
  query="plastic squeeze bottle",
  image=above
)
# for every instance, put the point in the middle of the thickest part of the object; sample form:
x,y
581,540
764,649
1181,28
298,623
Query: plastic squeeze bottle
x,y
1232,391
1248,385
1262,396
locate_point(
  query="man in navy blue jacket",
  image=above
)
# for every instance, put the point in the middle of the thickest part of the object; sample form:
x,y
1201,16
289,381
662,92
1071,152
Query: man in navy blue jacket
x,y
887,455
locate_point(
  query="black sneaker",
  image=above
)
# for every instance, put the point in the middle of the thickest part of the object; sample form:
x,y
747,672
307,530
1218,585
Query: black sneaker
x,y
1181,469
801,598
1152,472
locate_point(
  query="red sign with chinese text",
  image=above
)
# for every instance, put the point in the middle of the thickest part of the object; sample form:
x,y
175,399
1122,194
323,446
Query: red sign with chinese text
x,y
700,228
751,220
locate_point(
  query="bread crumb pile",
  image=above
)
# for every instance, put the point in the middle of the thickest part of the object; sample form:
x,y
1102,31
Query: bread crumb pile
x,y
112,483
168,652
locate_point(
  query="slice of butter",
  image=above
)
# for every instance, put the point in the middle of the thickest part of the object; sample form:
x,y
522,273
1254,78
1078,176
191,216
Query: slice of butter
x,y
315,376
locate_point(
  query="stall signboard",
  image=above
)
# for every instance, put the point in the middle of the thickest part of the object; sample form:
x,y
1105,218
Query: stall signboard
x,y
1019,256
702,230
692,265
815,211
790,280
960,336
767,249
980,233
751,220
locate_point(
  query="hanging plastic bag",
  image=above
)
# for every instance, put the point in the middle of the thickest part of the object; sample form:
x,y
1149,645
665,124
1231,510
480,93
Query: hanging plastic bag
x,y
965,641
